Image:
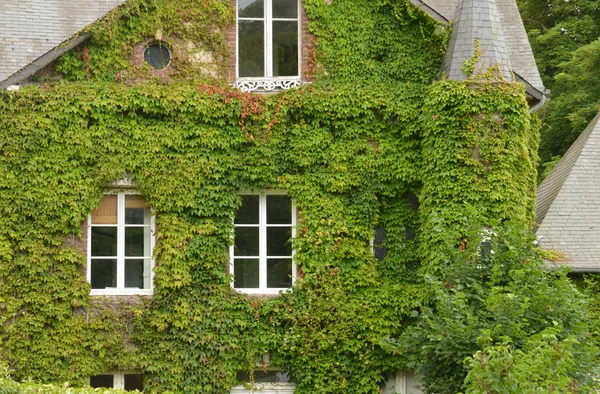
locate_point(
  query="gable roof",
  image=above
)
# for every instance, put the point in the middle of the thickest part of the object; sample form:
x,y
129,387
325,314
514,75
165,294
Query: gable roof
x,y
568,203
33,28
516,41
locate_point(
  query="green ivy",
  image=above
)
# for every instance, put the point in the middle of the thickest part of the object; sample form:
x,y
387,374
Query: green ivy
x,y
354,150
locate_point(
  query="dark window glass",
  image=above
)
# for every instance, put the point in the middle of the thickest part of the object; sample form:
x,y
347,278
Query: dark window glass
x,y
279,210
104,273
278,241
251,8
134,273
261,376
285,48
134,382
102,381
246,273
279,273
285,8
104,241
134,241
134,215
157,55
248,212
246,241
378,248
251,48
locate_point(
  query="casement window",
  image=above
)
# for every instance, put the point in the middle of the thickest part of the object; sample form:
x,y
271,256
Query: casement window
x,y
118,380
268,40
261,257
264,382
120,243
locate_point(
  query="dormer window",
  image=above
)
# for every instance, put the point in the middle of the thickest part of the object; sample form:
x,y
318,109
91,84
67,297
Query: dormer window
x,y
268,40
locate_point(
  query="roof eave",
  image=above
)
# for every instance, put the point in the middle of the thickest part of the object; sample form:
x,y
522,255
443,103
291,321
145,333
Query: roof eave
x,y
44,60
430,11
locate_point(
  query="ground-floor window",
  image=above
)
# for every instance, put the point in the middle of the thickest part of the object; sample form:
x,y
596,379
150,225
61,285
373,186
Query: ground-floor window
x,y
264,382
118,380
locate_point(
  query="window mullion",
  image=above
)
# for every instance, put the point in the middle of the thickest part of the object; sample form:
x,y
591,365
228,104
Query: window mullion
x,y
268,38
263,241
121,241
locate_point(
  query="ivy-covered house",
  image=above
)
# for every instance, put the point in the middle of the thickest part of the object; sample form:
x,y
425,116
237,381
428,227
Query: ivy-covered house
x,y
210,196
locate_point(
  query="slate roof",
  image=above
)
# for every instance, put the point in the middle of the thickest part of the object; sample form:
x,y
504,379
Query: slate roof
x,y
32,28
516,41
476,21
568,203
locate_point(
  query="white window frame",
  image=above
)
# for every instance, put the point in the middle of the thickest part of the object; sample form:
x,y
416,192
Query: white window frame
x,y
262,260
265,388
121,289
268,81
118,378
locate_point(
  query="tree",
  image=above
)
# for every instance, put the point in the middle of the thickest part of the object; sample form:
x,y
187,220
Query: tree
x,y
557,29
500,319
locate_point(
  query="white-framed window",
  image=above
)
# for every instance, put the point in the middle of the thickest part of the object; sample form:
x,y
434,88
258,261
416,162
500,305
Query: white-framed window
x,y
268,39
120,244
262,256
118,380
264,382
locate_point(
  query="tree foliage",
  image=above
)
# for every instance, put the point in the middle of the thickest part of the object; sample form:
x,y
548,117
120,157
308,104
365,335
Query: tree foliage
x,y
500,322
563,36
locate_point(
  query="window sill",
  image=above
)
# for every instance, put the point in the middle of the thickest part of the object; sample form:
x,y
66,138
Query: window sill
x,y
266,84
262,292
266,388
121,292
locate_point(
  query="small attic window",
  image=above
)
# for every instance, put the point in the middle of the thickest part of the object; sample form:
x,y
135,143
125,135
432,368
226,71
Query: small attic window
x,y
157,55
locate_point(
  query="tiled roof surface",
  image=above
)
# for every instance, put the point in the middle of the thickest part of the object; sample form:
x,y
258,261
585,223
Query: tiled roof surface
x,y
568,203
476,21
517,43
31,28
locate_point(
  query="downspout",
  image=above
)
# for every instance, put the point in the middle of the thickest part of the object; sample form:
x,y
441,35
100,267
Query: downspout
x,y
539,105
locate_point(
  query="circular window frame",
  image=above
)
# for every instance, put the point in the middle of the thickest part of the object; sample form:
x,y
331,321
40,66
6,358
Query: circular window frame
x,y
163,44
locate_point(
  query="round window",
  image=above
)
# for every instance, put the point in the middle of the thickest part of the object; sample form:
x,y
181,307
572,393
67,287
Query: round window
x,y
157,55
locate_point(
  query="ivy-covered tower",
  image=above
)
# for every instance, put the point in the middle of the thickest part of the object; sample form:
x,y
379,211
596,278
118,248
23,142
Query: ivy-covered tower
x,y
477,128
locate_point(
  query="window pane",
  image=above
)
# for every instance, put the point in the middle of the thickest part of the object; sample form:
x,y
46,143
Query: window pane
x,y
285,8
106,213
251,49
136,210
379,250
279,210
248,212
157,55
104,241
104,273
102,381
246,241
246,273
134,382
261,376
137,241
285,49
251,8
137,273
279,273
278,241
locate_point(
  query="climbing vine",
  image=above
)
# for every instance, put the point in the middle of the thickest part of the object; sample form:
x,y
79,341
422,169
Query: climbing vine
x,y
356,149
